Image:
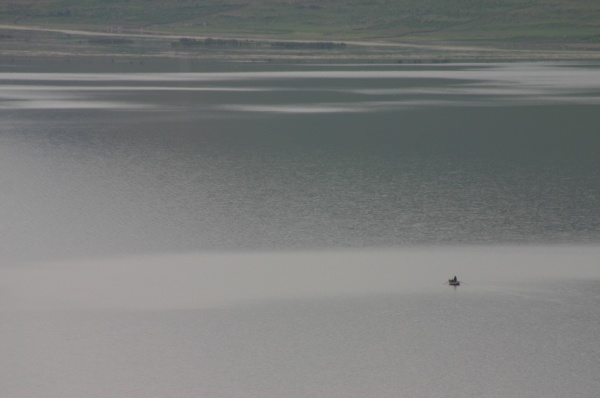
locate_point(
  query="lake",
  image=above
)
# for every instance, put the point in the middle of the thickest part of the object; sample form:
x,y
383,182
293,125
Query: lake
x,y
269,230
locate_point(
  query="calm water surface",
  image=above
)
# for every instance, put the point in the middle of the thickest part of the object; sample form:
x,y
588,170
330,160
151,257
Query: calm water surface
x,y
105,163
269,230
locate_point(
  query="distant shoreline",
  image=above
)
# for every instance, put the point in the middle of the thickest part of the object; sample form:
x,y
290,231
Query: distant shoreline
x,y
23,42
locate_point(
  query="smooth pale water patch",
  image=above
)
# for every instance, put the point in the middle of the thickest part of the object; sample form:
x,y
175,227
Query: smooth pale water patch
x,y
525,84
201,281
322,324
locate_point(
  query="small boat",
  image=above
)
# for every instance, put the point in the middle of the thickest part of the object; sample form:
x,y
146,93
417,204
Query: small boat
x,y
454,281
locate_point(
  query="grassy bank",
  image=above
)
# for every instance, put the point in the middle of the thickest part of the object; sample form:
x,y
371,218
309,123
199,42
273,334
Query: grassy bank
x,y
403,30
464,20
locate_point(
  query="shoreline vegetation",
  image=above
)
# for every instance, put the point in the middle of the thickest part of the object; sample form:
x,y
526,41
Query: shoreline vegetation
x,y
404,31
19,42
41,42
237,43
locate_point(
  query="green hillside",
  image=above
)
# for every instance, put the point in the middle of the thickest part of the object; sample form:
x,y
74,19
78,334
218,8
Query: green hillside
x,y
572,21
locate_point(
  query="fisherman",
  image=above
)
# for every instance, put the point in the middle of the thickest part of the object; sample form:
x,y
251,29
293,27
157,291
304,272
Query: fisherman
x,y
454,280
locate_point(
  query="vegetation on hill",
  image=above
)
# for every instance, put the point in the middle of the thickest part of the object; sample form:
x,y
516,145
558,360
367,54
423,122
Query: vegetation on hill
x,y
329,20
340,30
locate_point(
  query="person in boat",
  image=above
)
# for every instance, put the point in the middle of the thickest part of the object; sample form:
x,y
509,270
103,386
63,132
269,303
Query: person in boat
x,y
454,280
